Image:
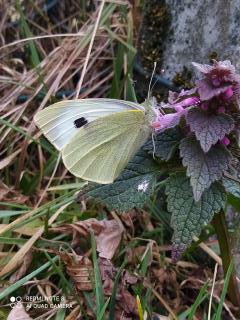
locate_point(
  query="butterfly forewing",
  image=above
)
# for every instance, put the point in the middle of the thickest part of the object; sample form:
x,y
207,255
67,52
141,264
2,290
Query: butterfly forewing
x,y
61,121
99,151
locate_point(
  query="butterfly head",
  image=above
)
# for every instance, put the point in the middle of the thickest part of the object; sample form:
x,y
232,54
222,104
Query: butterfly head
x,y
151,110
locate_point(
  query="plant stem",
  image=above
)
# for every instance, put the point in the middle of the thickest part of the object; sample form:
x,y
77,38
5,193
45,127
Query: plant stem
x,y
221,229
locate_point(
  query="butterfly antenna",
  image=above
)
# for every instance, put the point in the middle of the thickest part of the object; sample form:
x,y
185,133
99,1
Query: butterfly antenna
x,y
150,83
154,145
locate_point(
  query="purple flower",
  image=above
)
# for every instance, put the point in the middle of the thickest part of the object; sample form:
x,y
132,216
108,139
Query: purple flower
x,y
173,97
222,68
191,101
220,78
227,94
166,121
225,141
181,103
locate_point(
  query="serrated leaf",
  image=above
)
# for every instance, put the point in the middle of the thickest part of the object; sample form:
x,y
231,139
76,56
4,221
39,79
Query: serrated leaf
x,y
209,128
165,143
203,168
133,187
231,186
188,216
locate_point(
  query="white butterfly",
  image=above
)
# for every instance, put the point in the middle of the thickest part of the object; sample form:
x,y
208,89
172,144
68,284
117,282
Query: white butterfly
x,y
97,137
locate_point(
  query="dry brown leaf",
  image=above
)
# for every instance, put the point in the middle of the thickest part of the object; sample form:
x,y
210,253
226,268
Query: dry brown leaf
x,y
125,300
79,269
128,278
109,238
128,302
134,254
166,284
108,234
128,219
18,313
108,273
8,194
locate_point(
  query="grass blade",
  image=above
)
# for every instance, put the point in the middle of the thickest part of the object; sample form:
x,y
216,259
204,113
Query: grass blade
x,y
200,298
114,292
22,281
218,314
102,312
97,279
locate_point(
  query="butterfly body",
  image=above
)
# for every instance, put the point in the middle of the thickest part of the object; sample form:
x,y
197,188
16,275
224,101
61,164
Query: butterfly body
x,y
97,137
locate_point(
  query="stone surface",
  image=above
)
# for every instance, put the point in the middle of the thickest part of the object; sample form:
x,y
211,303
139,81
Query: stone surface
x,y
198,29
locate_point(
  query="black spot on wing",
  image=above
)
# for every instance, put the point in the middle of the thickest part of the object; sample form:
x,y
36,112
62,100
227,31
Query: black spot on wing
x,y
78,123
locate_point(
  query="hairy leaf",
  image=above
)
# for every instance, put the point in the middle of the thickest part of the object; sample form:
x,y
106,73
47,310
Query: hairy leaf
x,y
164,143
209,128
133,187
188,216
203,168
231,186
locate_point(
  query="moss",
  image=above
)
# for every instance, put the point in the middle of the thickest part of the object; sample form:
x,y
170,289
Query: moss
x,y
154,30
213,56
183,79
155,27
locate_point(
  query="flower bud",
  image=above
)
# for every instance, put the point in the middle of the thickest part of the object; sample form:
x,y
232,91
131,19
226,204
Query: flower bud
x,y
225,141
228,94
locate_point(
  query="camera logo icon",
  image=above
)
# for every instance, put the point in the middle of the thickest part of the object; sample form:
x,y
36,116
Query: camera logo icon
x,y
14,302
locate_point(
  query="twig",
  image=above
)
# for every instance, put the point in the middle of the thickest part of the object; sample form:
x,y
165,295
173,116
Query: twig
x,y
79,86
209,251
42,37
49,182
211,296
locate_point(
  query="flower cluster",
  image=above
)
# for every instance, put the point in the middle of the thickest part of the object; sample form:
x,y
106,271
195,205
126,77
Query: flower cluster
x,y
218,92
207,136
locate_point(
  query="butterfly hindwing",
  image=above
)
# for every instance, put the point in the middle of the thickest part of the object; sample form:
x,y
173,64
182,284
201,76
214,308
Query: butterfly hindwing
x,y
62,120
100,150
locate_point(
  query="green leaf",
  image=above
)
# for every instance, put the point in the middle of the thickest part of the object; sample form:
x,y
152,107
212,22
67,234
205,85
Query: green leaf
x,y
203,168
209,128
231,186
188,216
132,189
165,143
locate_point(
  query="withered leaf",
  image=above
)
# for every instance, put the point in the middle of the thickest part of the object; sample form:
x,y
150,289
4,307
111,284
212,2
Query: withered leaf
x,y
79,269
108,234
